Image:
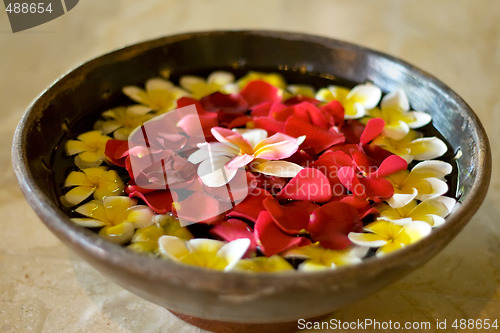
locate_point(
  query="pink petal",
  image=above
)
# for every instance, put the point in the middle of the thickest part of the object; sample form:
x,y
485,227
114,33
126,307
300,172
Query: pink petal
x,y
271,239
234,229
226,135
116,151
199,207
159,201
316,138
276,147
250,208
257,92
293,217
391,165
189,124
226,103
309,184
240,161
373,129
331,223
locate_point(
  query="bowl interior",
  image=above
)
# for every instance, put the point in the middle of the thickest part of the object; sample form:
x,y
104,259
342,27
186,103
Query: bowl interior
x,y
65,108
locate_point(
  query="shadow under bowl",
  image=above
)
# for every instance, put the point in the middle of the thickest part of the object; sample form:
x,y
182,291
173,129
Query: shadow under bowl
x,y
205,297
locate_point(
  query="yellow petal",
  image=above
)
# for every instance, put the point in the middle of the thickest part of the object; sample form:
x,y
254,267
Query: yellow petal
x,y
172,247
140,216
77,178
74,147
93,209
233,251
77,195
274,263
118,234
88,223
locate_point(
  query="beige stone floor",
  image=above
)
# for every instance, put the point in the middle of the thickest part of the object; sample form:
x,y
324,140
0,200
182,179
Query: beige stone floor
x,y
46,288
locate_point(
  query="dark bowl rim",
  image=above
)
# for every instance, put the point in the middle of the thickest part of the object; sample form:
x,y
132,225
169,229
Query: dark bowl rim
x,y
134,263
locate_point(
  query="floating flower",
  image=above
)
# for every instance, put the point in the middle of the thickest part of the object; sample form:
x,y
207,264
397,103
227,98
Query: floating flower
x,y
218,81
432,211
146,239
270,264
388,236
220,161
203,252
118,216
395,111
160,95
318,258
121,121
89,149
356,101
426,180
98,181
413,146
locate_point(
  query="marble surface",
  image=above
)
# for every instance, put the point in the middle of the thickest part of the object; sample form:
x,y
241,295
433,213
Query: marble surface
x,y
46,288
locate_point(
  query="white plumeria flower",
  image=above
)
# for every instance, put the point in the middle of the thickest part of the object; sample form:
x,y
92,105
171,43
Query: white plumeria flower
x,y
389,236
220,161
413,146
356,101
118,215
395,111
425,181
318,258
160,95
432,211
217,81
208,253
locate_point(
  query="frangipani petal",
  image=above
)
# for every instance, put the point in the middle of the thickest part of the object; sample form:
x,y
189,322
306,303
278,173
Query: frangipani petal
x,y
432,168
278,168
427,148
367,240
399,200
367,95
172,247
233,251
76,195
396,131
118,234
419,119
396,99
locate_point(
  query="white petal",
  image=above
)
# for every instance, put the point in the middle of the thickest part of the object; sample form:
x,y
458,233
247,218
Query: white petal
x,y
399,200
417,230
213,172
359,111
396,131
420,119
361,240
253,136
234,251
205,245
436,188
172,247
437,220
368,95
210,150
220,78
134,93
190,82
432,168
396,99
158,84
401,221
427,148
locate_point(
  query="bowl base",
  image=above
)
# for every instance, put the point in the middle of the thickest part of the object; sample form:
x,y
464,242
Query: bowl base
x,y
230,327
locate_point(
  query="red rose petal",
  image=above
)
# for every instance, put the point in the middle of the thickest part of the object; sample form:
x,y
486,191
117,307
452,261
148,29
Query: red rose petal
x,y
334,112
373,128
257,92
376,189
316,138
116,151
271,125
352,130
234,229
226,103
241,121
391,165
362,162
309,184
185,101
299,99
292,217
250,208
159,201
272,239
349,178
331,223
